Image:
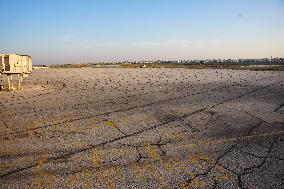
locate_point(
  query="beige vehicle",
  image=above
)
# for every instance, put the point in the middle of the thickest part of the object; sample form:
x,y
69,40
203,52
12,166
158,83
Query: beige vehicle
x,y
14,64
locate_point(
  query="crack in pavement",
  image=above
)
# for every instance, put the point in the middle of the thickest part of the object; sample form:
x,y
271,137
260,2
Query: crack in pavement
x,y
279,107
251,169
69,154
119,110
188,182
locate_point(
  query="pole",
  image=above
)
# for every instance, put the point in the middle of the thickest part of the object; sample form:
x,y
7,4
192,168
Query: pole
x,y
19,82
21,78
9,82
12,86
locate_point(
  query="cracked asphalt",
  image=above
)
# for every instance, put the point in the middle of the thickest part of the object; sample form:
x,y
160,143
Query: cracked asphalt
x,y
144,128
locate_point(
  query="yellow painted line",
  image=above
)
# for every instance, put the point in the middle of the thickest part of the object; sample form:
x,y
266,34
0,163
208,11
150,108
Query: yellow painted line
x,y
152,152
111,124
96,159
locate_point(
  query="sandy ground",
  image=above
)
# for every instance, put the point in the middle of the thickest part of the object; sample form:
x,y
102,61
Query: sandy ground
x,y
143,128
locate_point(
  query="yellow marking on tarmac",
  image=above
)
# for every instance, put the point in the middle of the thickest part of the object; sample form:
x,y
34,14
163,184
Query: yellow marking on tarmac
x,y
191,174
111,124
162,181
39,168
183,186
111,185
152,152
42,179
96,159
101,175
168,167
225,175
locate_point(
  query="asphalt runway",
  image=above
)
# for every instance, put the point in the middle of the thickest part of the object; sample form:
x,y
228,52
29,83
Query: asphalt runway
x,y
144,128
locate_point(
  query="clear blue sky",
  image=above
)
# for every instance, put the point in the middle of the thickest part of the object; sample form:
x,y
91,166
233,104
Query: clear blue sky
x,y
75,31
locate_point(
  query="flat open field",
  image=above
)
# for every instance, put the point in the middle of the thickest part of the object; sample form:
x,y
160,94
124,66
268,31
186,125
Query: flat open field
x,y
144,128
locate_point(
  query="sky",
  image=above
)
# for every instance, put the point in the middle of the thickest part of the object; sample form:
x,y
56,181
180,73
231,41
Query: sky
x,y
81,31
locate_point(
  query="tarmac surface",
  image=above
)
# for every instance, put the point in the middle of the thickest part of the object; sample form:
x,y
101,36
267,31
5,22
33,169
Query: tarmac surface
x,y
143,128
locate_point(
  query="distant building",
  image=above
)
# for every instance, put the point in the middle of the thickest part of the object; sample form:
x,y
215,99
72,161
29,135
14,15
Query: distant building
x,y
36,67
